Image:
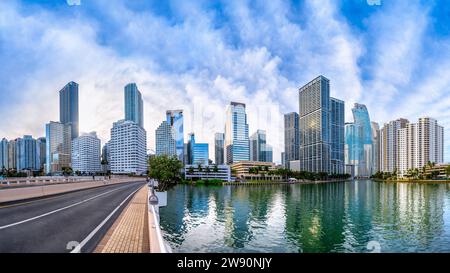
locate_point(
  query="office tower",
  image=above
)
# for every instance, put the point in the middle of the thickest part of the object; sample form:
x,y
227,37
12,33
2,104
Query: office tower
x,y
4,154
12,154
259,149
134,106
26,154
359,142
41,154
128,146
198,152
314,123
418,144
237,142
376,147
219,144
68,107
388,144
165,140
58,146
337,134
86,153
283,160
175,119
106,157
291,138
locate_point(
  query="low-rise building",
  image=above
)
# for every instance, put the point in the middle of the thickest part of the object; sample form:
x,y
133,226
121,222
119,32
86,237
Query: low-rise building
x,y
222,172
243,170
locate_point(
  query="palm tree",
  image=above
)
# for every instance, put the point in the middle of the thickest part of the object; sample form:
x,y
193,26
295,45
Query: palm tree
x,y
215,168
191,171
200,168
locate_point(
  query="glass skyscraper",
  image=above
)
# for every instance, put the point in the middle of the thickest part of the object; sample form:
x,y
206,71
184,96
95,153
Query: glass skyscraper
x,y
68,107
4,154
291,138
198,152
175,120
314,123
58,146
237,142
134,109
337,141
219,141
259,149
165,140
359,142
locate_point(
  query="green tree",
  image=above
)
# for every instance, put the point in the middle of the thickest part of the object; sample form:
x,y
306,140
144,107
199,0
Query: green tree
x,y
215,168
200,168
166,170
447,171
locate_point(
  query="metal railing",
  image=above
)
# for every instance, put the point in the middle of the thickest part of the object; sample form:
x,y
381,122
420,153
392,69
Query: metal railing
x,y
154,210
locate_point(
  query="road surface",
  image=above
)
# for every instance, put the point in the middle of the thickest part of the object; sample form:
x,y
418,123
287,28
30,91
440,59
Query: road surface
x,y
72,222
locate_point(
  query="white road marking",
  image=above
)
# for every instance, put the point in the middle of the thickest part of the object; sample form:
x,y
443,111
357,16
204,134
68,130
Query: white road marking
x,y
78,248
57,210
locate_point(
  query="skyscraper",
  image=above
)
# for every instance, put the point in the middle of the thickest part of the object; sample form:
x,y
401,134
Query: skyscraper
x,y
389,144
26,154
4,154
175,120
106,156
237,142
291,138
41,153
134,106
86,153
418,144
259,149
314,123
12,154
58,146
128,148
165,140
337,134
68,107
219,141
376,146
359,145
198,152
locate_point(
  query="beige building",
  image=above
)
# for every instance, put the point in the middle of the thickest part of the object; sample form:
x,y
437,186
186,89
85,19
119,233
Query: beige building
x,y
241,170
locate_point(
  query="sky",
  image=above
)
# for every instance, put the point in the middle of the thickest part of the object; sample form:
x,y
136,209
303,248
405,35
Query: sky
x,y
199,55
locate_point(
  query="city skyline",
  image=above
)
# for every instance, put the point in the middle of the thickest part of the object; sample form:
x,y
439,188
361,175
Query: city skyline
x,y
366,75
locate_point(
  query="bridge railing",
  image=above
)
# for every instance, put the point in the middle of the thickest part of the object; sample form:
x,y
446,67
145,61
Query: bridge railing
x,y
49,180
154,224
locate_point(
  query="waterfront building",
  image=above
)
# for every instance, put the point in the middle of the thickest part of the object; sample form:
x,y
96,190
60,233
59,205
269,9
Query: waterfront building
x,y
165,140
291,138
337,136
237,142
134,106
128,148
198,152
41,153
418,144
259,149
58,146
321,124
223,172
68,107
242,170
175,119
86,153
283,160
389,144
26,154
376,147
359,142
219,144
4,154
294,165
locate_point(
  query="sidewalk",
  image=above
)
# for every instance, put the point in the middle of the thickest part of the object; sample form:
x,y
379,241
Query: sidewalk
x,y
130,232
22,193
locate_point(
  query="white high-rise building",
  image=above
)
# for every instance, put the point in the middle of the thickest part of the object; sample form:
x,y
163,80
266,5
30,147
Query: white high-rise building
x,y
388,145
4,154
128,148
165,140
86,153
418,144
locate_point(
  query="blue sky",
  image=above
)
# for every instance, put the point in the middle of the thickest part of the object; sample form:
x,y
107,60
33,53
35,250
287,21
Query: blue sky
x,y
199,55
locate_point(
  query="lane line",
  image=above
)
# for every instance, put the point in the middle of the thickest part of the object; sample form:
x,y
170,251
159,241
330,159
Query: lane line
x,y
78,248
58,210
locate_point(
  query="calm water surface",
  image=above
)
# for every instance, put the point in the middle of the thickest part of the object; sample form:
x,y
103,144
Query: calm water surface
x,y
335,217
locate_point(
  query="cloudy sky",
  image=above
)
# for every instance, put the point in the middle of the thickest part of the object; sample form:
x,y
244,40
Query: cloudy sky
x,y
200,55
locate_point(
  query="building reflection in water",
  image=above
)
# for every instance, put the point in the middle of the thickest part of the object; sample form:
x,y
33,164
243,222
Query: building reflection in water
x,y
335,217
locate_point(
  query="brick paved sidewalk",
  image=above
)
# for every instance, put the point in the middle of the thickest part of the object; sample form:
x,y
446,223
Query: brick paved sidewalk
x,y
130,233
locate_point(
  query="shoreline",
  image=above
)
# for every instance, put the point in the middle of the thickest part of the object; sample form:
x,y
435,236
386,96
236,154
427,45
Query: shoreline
x,y
414,181
264,183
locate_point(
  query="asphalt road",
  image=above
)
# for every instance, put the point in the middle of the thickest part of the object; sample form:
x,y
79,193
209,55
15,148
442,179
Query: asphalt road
x,y
58,224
